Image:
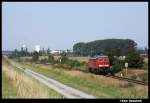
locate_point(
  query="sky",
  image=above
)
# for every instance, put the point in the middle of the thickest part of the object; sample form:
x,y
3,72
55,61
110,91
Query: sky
x,y
59,25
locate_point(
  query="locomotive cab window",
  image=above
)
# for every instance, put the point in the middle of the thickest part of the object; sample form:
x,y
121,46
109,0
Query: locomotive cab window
x,y
100,59
103,59
106,59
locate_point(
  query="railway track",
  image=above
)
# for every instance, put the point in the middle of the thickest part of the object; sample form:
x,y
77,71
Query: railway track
x,y
129,80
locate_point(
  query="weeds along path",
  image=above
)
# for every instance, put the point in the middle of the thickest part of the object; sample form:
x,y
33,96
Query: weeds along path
x,y
64,90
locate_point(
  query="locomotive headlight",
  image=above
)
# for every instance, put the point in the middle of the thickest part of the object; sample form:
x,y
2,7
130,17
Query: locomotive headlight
x,y
106,65
100,65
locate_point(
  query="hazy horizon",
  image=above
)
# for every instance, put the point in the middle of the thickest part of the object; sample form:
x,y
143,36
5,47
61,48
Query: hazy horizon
x,y
59,25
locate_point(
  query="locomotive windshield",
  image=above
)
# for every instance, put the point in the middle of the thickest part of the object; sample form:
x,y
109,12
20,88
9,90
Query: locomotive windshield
x,y
103,59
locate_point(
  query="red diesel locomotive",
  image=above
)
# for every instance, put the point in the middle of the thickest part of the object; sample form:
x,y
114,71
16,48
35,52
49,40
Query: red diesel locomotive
x,y
99,64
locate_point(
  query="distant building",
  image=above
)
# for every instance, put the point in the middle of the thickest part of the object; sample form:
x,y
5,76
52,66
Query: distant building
x,y
60,51
24,48
55,51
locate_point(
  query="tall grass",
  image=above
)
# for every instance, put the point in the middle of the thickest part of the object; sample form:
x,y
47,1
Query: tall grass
x,y
8,90
26,87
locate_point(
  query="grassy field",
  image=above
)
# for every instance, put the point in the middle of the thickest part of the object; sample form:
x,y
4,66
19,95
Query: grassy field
x,y
133,73
100,86
16,84
8,90
81,59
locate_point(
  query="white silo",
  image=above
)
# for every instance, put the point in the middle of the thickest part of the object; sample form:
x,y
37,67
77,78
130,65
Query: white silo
x,y
37,48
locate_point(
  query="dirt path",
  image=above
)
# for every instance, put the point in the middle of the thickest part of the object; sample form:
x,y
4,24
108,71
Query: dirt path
x,y
65,90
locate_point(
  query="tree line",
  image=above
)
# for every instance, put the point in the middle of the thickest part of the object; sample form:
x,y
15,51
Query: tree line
x,y
116,46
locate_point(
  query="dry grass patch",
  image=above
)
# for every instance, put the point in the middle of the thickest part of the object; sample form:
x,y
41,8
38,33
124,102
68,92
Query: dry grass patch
x,y
48,67
142,89
43,57
98,78
80,59
132,72
139,91
131,89
74,73
26,86
146,60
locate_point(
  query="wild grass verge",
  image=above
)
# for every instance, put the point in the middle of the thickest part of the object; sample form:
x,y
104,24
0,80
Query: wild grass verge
x,y
19,85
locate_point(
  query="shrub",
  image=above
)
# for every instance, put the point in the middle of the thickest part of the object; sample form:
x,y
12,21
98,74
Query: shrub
x,y
117,66
76,63
10,57
51,59
67,63
70,63
73,63
35,56
19,60
64,59
83,64
111,57
27,60
135,60
43,61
